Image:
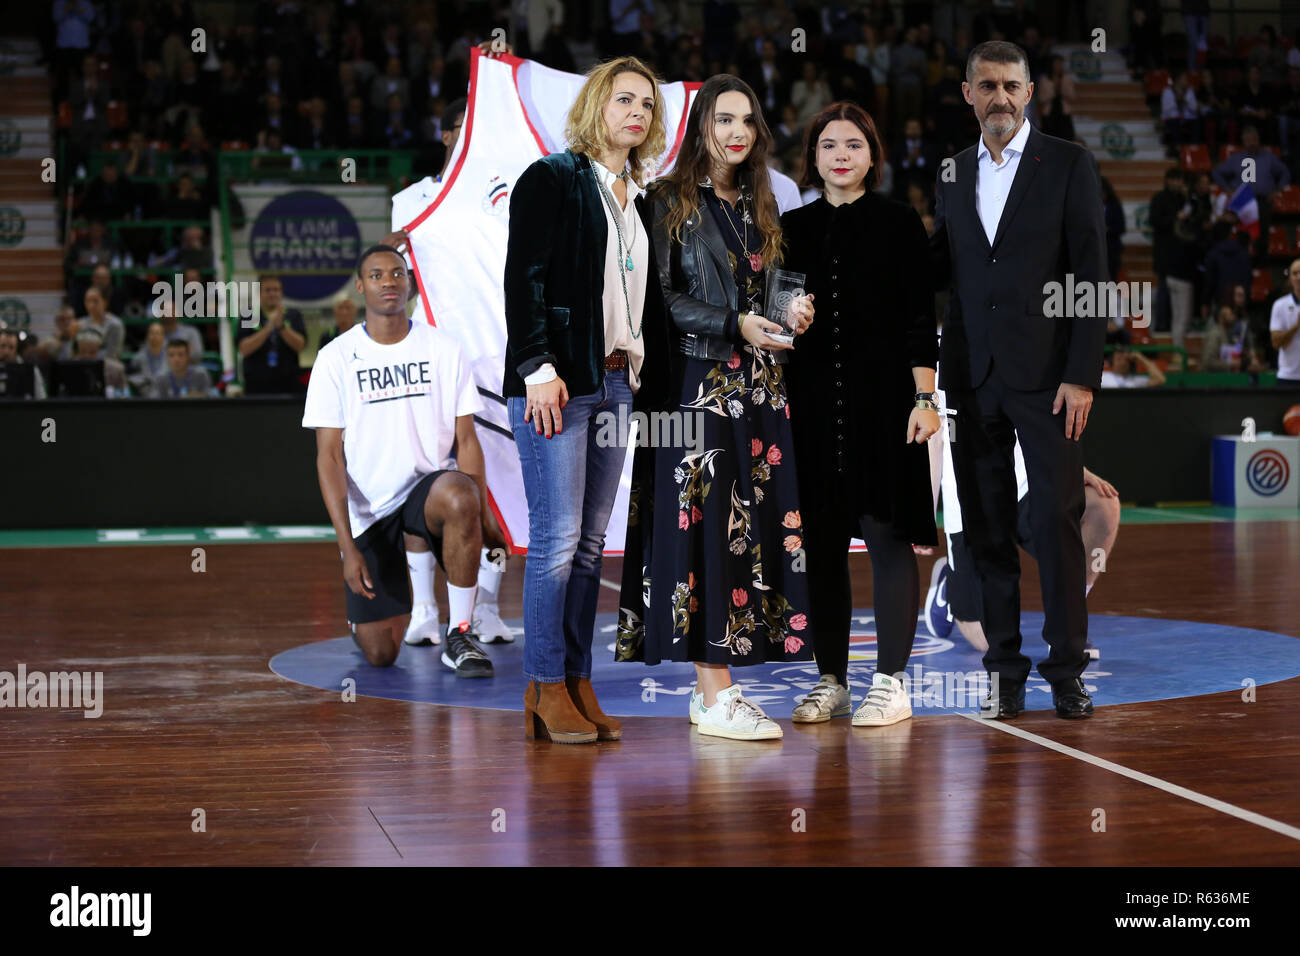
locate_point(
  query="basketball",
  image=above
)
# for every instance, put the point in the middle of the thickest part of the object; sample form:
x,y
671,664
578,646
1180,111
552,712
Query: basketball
x,y
1291,420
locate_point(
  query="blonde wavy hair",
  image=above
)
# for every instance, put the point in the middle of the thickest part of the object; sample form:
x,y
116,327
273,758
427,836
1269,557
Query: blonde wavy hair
x,y
585,128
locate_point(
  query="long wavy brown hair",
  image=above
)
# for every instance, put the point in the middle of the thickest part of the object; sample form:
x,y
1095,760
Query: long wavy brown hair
x,y
694,160
585,126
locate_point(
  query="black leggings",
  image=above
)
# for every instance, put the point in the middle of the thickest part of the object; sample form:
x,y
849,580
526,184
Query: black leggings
x,y
896,585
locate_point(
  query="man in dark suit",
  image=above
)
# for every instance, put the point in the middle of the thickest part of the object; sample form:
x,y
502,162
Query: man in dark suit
x,y
1015,213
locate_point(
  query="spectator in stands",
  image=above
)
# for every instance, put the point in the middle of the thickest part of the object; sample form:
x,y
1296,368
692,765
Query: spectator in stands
x,y
1256,103
873,54
1180,113
154,96
89,345
1268,177
186,203
1268,57
906,77
810,93
914,158
317,131
62,343
767,79
141,159
1055,95
347,84
181,379
1173,253
394,133
108,326
355,133
1115,227
270,352
1196,21
88,102
195,155
1145,31
1227,264
1288,117
231,105
73,20
1283,324
1216,108
1220,349
192,252
1244,328
1122,375
393,83
108,196
9,339
345,316
273,117
115,299
174,331
150,362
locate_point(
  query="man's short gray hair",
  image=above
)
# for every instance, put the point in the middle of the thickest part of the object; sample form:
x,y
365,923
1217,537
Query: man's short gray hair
x,y
996,51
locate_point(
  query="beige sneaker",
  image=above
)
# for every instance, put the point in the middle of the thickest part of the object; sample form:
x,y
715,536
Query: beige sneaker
x,y
736,718
886,703
828,699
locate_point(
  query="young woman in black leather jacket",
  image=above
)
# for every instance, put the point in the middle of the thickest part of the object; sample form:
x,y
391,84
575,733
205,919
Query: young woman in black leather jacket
x,y
714,564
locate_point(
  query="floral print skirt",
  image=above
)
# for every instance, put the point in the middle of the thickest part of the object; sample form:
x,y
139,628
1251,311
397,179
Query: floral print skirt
x,y
714,569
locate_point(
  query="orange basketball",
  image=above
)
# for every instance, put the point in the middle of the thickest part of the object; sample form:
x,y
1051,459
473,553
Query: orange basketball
x,y
1291,420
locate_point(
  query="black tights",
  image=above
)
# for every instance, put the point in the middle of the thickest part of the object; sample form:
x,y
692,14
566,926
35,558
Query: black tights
x,y
896,585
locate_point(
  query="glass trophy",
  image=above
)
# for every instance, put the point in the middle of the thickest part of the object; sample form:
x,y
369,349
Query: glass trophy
x,y
782,289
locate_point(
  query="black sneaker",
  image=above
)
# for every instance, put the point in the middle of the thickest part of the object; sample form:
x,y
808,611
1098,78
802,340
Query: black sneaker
x,y
463,654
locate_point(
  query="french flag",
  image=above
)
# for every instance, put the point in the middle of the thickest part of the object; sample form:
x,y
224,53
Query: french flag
x,y
1247,209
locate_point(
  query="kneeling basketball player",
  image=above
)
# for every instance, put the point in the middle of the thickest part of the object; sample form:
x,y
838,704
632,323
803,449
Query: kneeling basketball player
x,y
391,401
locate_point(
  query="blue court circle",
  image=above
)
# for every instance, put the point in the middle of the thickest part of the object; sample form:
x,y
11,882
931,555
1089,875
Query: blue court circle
x,y
1142,659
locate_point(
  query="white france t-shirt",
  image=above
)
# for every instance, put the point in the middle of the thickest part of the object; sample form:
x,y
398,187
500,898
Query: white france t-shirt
x,y
397,405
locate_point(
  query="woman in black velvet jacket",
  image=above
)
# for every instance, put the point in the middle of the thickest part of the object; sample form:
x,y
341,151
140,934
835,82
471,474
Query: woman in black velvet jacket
x,y
861,397
586,331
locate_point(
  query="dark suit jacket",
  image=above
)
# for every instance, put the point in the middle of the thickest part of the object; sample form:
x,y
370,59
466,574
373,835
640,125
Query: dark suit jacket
x,y
1051,225
555,280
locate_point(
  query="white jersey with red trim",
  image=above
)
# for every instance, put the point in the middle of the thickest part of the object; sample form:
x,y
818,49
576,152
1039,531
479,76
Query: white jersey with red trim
x,y
515,115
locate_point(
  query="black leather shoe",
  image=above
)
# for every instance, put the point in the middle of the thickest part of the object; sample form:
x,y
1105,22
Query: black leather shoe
x,y
1071,699
1009,702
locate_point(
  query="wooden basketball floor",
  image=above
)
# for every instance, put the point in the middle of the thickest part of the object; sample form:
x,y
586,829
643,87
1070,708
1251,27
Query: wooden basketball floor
x,y
288,774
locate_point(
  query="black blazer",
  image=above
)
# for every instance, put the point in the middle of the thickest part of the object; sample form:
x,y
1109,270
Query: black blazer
x,y
555,278
1052,224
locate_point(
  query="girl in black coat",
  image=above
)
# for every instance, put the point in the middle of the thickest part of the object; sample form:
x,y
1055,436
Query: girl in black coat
x,y
861,405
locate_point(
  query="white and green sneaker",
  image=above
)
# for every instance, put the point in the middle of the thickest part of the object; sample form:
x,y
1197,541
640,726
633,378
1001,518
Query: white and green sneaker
x,y
697,706
828,699
736,718
886,703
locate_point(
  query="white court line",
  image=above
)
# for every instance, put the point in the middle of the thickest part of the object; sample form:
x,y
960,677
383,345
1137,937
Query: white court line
x,y
1249,816
609,584
1174,518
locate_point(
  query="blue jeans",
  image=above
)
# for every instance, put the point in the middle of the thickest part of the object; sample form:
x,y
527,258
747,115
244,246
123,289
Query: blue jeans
x,y
570,482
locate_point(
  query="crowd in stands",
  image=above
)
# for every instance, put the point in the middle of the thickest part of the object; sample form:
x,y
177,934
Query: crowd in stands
x,y
326,75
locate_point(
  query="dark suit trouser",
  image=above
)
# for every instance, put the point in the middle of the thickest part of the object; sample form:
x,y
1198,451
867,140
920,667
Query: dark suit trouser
x,y
989,420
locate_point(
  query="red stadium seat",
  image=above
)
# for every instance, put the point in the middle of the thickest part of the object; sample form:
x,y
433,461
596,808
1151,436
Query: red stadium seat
x,y
1156,81
65,115
1196,159
1279,243
1261,284
1194,80
234,144
1244,44
116,114
1288,201
1227,149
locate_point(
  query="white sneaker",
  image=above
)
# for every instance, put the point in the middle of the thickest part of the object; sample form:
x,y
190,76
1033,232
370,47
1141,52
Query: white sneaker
x,y
886,703
697,707
736,718
828,699
491,628
424,627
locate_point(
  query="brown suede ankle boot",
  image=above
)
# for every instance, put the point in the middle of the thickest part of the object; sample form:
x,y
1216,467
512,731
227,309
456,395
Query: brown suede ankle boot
x,y
549,713
584,698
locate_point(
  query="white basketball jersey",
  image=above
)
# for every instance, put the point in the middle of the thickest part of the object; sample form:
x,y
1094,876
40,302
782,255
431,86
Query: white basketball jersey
x,y
515,115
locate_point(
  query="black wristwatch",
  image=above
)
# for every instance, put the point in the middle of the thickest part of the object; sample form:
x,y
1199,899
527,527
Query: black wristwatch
x,y
923,397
